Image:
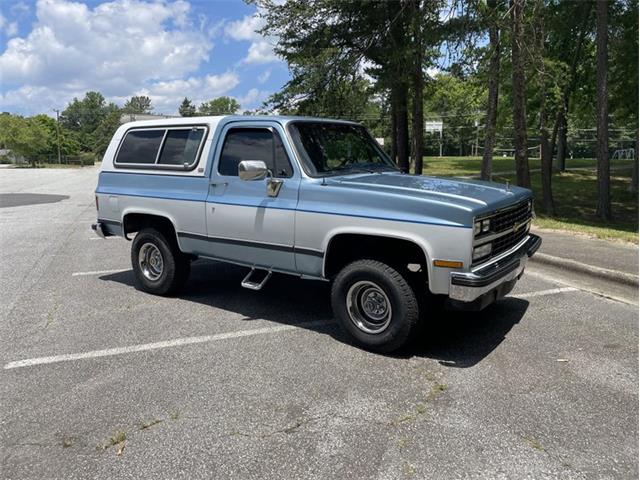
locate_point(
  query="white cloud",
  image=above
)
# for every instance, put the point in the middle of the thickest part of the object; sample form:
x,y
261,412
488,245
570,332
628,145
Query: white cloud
x,y
253,98
264,76
260,51
8,28
19,8
118,47
167,95
246,29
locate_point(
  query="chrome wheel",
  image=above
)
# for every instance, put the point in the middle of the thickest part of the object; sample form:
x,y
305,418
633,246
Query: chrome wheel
x,y
150,261
369,307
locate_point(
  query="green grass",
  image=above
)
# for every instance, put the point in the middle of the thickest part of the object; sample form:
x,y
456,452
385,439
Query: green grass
x,y
457,166
574,193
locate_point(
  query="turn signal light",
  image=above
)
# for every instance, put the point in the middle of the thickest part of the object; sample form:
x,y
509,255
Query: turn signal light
x,y
447,264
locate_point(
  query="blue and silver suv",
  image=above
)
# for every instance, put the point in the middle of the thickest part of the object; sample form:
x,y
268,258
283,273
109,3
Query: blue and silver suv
x,y
314,198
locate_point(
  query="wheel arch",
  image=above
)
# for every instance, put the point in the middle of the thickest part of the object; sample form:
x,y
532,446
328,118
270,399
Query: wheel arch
x,y
135,220
415,248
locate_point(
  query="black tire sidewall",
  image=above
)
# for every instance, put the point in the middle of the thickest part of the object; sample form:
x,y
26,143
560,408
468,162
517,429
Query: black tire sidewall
x,y
165,283
401,296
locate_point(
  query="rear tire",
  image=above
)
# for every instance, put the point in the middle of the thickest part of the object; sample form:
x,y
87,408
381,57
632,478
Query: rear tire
x,y
375,305
159,267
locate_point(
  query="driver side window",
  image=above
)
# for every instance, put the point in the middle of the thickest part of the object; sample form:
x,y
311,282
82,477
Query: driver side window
x,y
254,144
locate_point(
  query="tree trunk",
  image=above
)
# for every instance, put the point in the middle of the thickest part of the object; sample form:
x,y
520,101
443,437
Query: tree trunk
x,y
562,136
545,147
519,110
603,209
560,126
403,128
633,188
417,120
394,124
493,86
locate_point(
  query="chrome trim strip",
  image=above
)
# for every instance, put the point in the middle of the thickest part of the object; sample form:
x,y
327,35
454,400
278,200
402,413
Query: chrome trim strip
x,y
490,238
502,255
469,294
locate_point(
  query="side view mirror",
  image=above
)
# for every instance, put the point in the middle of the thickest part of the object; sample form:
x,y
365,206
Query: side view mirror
x,y
252,170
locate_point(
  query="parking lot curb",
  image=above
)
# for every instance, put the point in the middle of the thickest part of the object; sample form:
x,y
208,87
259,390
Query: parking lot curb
x,y
578,267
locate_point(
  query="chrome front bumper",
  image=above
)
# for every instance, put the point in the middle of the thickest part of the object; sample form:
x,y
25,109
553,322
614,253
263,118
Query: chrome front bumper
x,y
494,278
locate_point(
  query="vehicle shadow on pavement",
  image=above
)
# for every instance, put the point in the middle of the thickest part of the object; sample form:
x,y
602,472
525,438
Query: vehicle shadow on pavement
x,y
462,339
455,339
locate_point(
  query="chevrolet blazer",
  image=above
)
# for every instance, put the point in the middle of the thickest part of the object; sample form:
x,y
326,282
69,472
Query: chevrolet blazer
x,y
314,198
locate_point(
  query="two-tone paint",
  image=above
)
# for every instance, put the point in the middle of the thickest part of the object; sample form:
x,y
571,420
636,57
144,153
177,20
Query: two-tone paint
x,y
226,218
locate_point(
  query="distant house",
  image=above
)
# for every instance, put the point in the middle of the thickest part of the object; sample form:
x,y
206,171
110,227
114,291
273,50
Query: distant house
x,y
132,117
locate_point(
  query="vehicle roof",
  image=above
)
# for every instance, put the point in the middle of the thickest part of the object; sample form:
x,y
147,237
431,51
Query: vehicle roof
x,y
283,119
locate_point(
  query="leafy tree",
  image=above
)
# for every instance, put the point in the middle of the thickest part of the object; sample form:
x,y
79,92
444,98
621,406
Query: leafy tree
x,y
105,131
69,144
84,116
383,38
24,136
458,101
137,104
219,106
187,108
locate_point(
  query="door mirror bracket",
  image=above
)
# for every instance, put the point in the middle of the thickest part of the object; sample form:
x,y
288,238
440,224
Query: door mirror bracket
x,y
250,170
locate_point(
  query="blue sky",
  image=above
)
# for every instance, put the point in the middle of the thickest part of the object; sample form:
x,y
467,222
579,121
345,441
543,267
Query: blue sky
x,y
54,50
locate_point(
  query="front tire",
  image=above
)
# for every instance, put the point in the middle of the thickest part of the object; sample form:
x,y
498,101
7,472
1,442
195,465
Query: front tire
x,y
159,267
375,305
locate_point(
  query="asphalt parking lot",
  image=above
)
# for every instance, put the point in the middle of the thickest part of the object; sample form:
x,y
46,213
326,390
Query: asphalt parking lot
x,y
100,380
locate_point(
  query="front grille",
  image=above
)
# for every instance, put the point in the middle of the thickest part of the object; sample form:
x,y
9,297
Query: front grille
x,y
504,221
507,241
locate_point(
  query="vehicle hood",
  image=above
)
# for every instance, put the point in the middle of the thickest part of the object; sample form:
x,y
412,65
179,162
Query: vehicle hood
x,y
473,195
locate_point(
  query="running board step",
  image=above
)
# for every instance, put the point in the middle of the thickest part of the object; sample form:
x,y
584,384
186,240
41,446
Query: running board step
x,y
255,285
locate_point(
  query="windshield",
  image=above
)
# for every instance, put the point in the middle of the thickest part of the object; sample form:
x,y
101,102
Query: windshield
x,y
335,148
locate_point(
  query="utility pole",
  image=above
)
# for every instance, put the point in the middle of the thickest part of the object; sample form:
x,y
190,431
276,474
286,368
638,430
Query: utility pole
x,y
58,132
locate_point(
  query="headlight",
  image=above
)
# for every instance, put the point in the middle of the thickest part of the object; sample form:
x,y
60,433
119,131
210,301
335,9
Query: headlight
x,y
481,226
481,251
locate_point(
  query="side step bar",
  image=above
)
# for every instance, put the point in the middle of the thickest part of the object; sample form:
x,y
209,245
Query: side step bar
x,y
255,285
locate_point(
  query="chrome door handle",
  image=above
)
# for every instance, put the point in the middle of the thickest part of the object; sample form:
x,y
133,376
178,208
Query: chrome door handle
x,y
223,184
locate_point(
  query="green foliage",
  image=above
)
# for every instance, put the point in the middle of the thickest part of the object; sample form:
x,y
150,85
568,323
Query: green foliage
x,y
85,116
219,106
102,135
137,104
187,108
460,103
24,136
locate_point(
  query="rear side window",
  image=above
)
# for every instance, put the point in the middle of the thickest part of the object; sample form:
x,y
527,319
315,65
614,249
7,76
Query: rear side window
x,y
162,148
181,147
254,144
140,146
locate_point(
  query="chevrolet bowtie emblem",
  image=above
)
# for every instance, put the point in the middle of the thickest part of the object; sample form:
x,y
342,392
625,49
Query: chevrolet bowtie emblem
x,y
516,227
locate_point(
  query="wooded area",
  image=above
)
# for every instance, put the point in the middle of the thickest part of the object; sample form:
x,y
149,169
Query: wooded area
x,y
505,77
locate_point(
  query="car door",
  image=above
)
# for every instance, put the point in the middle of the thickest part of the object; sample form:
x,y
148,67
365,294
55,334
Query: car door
x,y
245,224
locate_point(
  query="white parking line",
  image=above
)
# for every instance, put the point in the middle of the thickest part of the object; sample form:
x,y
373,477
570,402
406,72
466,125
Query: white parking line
x,y
540,293
99,272
559,281
178,342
